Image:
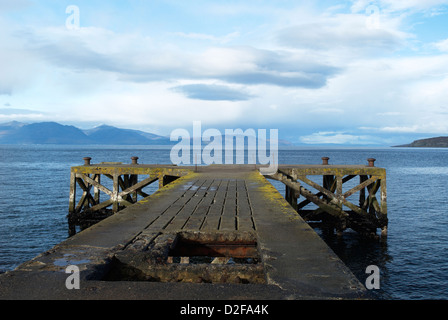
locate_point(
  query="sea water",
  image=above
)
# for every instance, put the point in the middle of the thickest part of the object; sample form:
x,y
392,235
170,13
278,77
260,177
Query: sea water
x,y
413,263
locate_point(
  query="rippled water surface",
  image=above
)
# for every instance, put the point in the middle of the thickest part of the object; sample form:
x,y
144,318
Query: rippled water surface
x,y
34,188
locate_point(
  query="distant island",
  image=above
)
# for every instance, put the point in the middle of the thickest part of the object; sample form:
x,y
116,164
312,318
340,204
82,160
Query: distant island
x,y
438,142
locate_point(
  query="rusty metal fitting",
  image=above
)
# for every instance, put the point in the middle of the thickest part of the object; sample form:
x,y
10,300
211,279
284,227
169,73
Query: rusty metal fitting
x,y
371,162
134,160
325,160
87,161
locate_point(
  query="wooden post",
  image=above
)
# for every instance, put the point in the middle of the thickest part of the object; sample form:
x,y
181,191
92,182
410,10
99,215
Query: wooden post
x,y
339,195
161,181
341,224
287,194
72,196
291,196
327,182
72,205
362,192
96,191
383,192
294,196
373,188
115,191
133,181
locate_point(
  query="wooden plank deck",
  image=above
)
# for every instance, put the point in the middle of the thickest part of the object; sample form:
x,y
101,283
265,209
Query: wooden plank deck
x,y
218,209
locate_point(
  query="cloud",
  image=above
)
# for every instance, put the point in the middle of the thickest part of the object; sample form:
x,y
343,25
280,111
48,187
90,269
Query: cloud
x,y
19,67
327,110
24,117
14,111
442,45
251,66
338,138
287,64
398,5
208,37
348,33
6,5
139,59
212,92
10,114
435,127
390,113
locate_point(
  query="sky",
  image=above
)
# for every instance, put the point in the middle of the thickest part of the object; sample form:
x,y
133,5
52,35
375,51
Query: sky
x,y
321,72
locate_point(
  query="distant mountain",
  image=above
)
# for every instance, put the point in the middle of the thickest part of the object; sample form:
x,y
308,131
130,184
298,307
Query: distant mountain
x,y
43,133
55,133
12,111
111,135
438,142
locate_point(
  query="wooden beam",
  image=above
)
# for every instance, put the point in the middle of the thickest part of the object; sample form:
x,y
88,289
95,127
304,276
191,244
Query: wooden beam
x,y
322,190
85,197
94,183
124,202
102,205
327,207
355,208
319,194
138,185
83,186
360,186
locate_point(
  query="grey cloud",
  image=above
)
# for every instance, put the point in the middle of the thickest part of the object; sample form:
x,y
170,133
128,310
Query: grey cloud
x,y
5,90
211,92
302,80
73,53
270,67
284,69
78,57
11,111
332,35
6,5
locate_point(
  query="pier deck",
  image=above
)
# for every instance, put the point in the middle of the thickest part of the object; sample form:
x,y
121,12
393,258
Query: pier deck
x,y
219,232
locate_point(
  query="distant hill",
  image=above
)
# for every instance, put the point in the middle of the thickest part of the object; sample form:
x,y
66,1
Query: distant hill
x,y
55,133
111,135
44,133
438,142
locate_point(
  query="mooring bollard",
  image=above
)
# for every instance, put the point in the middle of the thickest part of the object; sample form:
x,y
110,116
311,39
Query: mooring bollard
x,y
325,160
371,162
87,161
134,160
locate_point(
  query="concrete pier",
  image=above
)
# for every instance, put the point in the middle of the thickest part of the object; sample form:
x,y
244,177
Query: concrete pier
x,y
216,232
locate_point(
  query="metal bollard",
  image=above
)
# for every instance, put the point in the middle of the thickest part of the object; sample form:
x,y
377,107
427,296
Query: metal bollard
x,y
87,161
134,160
